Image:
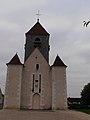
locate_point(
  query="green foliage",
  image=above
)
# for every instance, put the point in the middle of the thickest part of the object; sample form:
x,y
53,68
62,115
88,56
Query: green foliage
x,y
84,110
74,106
85,95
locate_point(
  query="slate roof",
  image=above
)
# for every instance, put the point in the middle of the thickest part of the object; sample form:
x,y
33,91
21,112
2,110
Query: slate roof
x,y
15,61
37,29
58,62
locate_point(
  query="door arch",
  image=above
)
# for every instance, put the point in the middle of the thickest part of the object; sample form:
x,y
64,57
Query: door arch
x,y
36,102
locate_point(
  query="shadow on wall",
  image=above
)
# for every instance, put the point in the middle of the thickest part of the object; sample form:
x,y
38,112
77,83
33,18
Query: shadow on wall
x,y
1,99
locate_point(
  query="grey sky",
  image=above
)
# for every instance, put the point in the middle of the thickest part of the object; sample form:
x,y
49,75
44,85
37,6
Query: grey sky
x,y
63,19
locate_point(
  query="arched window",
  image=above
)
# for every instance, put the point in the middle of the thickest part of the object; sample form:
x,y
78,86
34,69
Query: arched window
x,y
37,66
37,39
37,42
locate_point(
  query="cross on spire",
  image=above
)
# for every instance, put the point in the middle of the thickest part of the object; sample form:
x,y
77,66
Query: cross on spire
x,y
38,15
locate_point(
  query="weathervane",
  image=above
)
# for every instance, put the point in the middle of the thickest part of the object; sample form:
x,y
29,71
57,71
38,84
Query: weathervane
x,y
38,15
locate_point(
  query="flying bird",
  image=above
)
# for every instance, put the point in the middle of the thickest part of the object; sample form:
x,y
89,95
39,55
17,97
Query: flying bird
x,y
86,23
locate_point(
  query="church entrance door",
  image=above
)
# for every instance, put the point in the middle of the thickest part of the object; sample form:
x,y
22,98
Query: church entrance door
x,y
36,102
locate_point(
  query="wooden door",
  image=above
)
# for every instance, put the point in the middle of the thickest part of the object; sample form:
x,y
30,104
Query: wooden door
x,y
36,102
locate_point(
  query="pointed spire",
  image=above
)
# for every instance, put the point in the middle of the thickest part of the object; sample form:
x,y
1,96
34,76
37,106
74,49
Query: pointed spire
x,y
58,62
37,29
15,60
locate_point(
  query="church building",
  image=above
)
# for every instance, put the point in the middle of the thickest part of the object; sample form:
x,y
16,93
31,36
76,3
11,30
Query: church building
x,y
36,85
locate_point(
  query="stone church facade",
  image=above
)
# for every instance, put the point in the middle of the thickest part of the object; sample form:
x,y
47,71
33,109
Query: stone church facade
x,y
35,84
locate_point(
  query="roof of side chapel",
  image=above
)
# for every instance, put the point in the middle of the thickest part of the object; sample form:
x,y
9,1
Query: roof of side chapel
x,y
58,62
15,61
37,29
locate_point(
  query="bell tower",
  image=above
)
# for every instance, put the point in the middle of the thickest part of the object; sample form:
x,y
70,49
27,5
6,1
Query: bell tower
x,y
37,37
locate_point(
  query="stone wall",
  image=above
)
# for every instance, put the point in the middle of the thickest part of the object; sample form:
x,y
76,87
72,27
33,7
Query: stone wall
x,y
27,81
13,87
59,92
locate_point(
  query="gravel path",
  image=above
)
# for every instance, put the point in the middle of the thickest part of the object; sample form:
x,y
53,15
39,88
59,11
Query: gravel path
x,y
42,115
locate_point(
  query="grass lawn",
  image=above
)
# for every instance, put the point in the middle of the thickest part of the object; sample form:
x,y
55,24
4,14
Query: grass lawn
x,y
84,110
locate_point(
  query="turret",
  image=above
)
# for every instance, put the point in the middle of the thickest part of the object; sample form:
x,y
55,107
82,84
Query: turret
x,y
13,83
59,96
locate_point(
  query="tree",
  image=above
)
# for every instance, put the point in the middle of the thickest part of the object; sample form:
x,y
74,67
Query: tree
x,y
85,95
